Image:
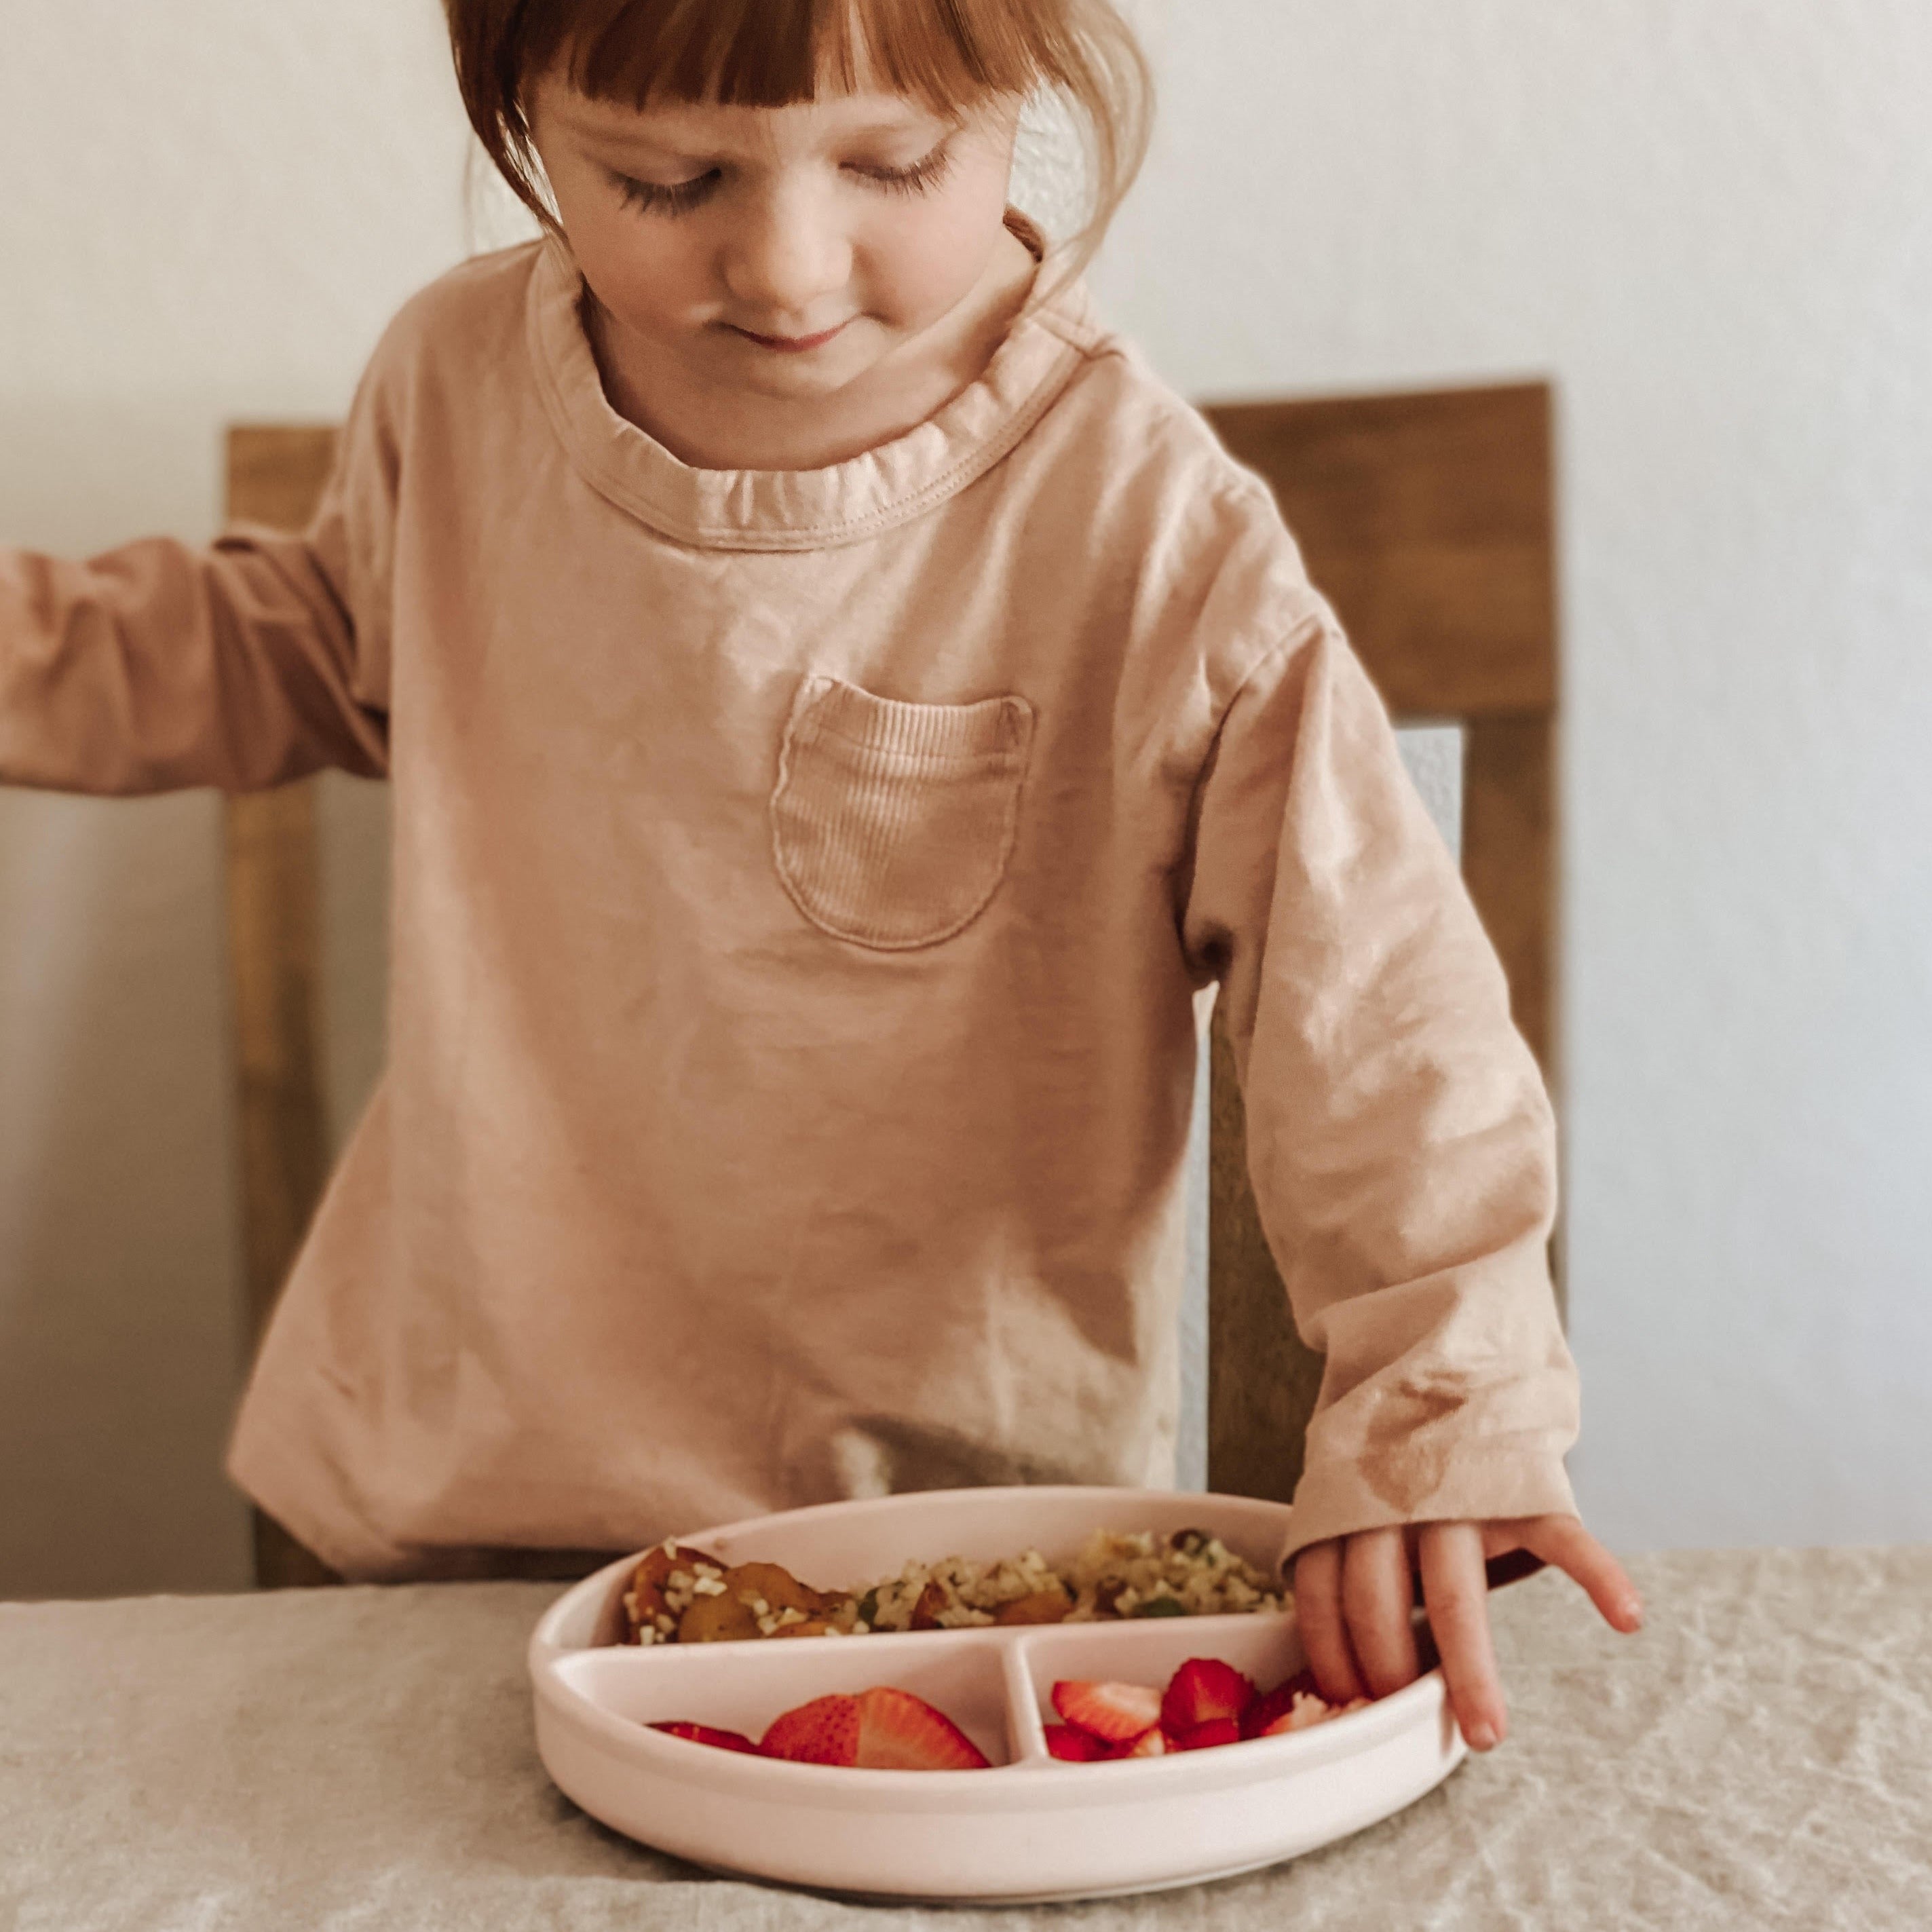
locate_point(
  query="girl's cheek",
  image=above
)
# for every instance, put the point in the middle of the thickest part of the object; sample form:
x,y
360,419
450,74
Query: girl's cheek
x,y
935,264
634,270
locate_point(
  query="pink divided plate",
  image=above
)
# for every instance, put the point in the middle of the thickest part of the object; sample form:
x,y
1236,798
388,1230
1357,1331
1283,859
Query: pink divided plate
x,y
1031,1829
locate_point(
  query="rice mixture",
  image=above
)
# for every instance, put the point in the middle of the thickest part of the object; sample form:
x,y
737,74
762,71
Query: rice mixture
x,y
1114,1576
680,1595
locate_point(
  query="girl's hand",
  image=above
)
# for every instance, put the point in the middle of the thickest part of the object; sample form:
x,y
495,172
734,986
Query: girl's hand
x,y
1354,1596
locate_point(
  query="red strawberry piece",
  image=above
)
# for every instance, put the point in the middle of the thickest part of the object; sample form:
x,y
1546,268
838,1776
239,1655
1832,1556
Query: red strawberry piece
x,y
1307,1711
703,1734
1310,1712
1279,1702
1076,1746
898,1732
826,1731
1117,1714
1205,1737
1151,1743
1202,1690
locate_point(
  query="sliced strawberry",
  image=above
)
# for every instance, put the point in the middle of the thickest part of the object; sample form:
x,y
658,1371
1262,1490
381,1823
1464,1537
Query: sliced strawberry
x,y
898,1732
704,1734
1279,1702
881,1729
826,1731
1306,1712
1117,1714
1202,1690
1151,1743
1075,1746
1205,1737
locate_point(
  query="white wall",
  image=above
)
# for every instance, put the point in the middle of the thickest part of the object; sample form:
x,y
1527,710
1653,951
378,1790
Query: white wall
x,y
1711,221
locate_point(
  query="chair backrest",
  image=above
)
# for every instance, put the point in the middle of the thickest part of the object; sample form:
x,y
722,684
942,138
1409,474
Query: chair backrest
x,y
1427,520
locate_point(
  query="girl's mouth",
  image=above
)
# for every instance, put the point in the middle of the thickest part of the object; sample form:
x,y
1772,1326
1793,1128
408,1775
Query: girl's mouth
x,y
795,345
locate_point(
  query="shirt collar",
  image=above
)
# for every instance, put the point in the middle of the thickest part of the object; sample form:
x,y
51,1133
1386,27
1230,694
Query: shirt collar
x,y
805,509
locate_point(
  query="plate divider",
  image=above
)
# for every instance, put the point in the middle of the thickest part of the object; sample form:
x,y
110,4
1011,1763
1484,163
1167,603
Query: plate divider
x,y
1029,1732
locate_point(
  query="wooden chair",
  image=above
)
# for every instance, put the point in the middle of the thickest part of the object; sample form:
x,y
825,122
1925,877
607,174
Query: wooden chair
x,y
1426,518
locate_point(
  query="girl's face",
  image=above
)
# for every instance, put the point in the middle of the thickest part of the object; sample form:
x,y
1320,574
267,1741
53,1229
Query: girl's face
x,y
774,262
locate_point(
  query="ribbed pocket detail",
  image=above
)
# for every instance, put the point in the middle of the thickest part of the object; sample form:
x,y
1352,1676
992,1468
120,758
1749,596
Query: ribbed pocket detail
x,y
892,823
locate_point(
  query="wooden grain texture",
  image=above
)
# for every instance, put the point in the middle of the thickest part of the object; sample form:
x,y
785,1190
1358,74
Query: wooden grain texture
x,y
275,474
1262,1378
1511,843
276,471
281,1563
271,865
1509,861
1429,522
1426,520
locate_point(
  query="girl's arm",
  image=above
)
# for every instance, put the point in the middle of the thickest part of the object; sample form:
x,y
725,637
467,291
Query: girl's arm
x,y
1402,1151
1400,1142
159,665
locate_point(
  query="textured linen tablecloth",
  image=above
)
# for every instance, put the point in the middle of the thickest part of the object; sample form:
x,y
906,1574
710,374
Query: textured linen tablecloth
x,y
1761,1756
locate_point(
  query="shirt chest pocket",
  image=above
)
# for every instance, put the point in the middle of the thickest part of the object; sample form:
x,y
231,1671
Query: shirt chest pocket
x,y
892,823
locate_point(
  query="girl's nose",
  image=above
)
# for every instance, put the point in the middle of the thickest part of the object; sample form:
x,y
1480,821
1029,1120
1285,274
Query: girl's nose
x,y
786,256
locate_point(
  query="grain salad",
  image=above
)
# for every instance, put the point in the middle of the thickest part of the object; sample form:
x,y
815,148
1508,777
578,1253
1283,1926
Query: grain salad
x,y
677,1594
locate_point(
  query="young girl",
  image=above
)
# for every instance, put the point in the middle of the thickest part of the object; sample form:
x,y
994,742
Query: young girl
x,y
841,708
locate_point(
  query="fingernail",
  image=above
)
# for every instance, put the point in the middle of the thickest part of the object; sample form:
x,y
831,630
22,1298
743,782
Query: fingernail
x,y
1634,1611
1481,1735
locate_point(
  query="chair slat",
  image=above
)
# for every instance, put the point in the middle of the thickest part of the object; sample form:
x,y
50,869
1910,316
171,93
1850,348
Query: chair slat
x,y
1262,1378
1426,520
275,475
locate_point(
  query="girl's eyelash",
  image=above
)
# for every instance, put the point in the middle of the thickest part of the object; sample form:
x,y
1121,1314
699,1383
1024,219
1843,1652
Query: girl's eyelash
x,y
919,180
687,195
678,200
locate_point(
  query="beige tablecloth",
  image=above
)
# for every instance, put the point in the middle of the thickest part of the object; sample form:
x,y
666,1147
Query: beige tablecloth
x,y
1760,1757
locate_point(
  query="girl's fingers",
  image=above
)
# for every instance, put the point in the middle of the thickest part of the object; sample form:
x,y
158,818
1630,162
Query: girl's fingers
x,y
1563,1541
1317,1612
1375,1606
1456,1592
1353,1598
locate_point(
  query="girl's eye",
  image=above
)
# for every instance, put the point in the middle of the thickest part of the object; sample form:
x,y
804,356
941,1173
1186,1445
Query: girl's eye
x,y
678,200
919,180
682,199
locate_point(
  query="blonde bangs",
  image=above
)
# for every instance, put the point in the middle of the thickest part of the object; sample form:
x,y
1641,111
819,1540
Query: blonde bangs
x,y
950,55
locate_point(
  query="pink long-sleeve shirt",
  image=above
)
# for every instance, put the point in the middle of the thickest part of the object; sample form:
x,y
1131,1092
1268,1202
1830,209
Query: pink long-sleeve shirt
x,y
802,882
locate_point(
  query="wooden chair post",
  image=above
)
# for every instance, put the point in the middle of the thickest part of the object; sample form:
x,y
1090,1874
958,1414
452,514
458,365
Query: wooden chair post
x,y
275,476
1428,522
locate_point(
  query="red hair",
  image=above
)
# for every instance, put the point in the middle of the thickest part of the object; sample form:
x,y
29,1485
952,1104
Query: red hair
x,y
949,54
